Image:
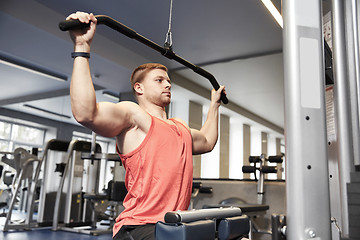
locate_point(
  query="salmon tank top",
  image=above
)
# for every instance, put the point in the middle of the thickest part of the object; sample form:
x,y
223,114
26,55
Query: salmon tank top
x,y
158,176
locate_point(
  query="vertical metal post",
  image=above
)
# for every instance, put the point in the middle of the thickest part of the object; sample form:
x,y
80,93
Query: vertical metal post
x,y
260,185
279,165
355,26
307,185
344,133
246,147
353,72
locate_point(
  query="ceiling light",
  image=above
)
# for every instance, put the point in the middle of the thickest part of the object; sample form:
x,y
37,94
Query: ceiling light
x,y
111,95
22,65
273,10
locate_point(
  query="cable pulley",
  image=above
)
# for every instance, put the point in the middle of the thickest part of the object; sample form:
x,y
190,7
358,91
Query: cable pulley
x,y
168,40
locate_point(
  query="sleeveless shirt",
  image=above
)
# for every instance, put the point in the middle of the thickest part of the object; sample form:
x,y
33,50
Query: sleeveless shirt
x,y
158,175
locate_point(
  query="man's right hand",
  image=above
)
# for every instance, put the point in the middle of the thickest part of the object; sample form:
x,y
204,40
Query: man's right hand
x,y
82,38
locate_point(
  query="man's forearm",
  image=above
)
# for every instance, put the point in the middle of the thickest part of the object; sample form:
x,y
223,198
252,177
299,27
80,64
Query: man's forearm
x,y
82,93
210,127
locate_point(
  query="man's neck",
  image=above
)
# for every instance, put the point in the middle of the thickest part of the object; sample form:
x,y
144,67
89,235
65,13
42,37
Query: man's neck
x,y
154,110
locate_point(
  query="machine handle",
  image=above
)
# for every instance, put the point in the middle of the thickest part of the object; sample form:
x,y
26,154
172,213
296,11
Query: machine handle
x,y
275,159
248,169
268,169
206,190
72,25
254,159
197,185
167,52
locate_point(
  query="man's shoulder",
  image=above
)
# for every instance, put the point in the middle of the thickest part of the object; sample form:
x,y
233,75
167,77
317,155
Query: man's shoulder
x,y
139,120
138,115
182,122
130,107
128,104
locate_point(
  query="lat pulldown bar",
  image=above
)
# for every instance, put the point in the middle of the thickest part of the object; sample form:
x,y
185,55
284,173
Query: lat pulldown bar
x,y
167,52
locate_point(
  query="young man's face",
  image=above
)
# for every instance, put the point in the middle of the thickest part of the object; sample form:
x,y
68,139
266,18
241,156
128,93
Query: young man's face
x,y
157,87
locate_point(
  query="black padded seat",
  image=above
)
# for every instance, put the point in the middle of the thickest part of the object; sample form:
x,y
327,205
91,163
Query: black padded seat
x,y
203,224
198,230
233,228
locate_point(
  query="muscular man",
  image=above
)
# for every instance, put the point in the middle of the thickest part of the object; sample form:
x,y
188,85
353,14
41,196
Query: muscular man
x,y
155,151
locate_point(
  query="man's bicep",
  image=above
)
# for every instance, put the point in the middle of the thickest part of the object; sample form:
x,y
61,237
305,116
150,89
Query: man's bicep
x,y
200,144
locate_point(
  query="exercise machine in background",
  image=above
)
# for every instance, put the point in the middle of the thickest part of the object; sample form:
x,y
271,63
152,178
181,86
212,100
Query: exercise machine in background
x,y
258,167
23,187
67,177
78,196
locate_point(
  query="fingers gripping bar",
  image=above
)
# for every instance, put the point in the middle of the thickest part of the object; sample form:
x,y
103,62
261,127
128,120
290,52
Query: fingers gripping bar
x,y
108,21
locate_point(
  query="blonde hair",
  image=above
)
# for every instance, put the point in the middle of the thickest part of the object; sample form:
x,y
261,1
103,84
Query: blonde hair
x,y
140,72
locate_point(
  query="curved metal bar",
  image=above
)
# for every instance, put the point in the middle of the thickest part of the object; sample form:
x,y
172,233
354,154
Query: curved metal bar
x,y
167,52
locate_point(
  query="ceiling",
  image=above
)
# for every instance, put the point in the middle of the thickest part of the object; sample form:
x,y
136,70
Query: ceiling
x,y
237,41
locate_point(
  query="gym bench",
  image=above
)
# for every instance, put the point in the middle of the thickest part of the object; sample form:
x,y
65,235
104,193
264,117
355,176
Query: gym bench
x,y
204,224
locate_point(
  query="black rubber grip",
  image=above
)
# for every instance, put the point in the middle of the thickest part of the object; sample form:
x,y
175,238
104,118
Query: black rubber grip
x,y
197,185
108,21
72,25
206,190
275,159
268,169
248,169
254,159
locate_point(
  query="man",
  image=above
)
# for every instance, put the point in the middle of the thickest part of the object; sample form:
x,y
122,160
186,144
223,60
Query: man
x,y
156,152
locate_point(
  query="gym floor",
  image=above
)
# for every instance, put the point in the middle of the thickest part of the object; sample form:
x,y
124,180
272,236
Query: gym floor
x,y
46,234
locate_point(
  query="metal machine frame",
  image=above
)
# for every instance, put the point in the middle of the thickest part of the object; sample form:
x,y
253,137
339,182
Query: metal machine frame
x,y
308,193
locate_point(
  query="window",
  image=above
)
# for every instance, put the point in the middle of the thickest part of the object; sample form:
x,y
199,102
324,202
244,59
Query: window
x,y
5,130
14,135
4,146
24,134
